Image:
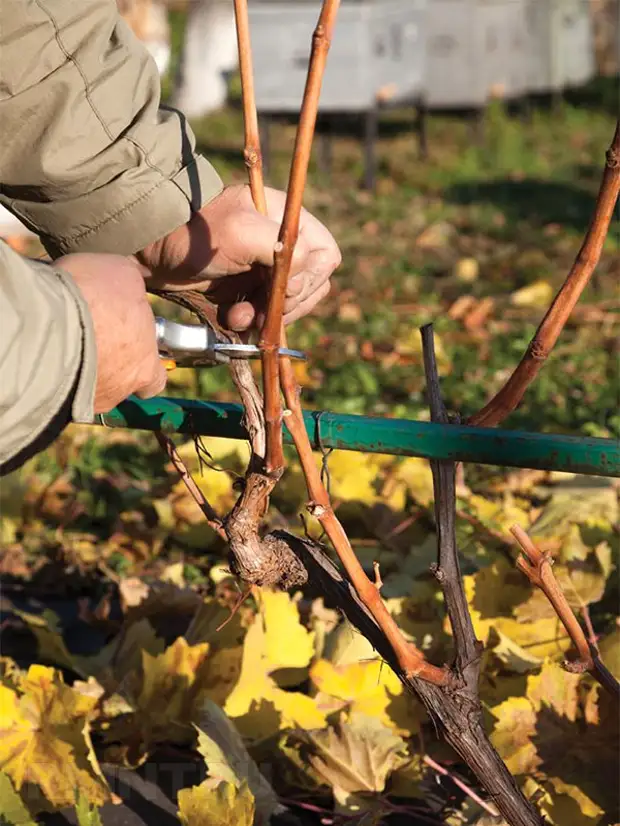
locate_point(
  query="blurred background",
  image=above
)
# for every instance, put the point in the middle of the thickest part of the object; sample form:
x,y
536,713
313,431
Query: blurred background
x,y
459,150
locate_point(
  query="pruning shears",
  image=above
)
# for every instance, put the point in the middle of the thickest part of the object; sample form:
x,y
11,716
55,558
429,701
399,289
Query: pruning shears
x,y
198,345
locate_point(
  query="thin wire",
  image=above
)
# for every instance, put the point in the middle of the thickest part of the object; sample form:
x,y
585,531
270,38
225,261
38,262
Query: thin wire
x,y
326,479
325,454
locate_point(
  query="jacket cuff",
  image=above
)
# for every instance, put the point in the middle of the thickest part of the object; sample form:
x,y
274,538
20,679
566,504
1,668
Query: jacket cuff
x,y
149,216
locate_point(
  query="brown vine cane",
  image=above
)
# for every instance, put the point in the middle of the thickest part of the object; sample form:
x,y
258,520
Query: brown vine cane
x,y
507,399
410,658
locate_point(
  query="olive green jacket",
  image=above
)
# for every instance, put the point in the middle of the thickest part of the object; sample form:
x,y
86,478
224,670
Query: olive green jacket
x,y
91,162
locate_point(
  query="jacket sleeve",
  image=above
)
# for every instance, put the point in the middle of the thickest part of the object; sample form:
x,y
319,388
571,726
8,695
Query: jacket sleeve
x,y
47,356
89,160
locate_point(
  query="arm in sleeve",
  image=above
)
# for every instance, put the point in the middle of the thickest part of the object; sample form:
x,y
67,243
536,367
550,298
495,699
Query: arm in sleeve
x,y
88,158
48,363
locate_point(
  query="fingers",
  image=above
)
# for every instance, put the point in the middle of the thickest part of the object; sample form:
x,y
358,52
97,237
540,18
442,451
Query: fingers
x,y
314,232
305,307
238,317
253,237
316,257
319,267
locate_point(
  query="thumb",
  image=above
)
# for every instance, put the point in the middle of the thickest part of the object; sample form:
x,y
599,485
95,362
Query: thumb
x,y
258,237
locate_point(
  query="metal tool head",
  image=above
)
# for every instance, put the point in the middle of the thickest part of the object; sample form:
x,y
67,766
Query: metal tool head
x,y
249,351
198,345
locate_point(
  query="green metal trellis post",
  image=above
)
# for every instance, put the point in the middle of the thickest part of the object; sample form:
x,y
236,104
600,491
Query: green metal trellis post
x,y
489,446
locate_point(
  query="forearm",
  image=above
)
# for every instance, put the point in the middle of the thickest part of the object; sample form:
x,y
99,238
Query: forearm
x,y
88,159
47,356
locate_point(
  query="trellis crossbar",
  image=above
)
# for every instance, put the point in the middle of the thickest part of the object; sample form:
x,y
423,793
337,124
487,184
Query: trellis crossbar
x,y
398,437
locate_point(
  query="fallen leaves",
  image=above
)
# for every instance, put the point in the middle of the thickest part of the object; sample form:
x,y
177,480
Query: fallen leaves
x,y
257,704
227,759
222,805
45,740
285,682
356,755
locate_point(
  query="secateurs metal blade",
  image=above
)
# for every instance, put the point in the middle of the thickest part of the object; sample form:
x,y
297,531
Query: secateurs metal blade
x,y
198,345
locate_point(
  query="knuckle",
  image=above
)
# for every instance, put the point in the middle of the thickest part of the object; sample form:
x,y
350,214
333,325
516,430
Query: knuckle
x,y
327,260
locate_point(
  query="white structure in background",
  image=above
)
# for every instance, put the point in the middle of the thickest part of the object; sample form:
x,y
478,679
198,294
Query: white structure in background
x,y
155,33
209,51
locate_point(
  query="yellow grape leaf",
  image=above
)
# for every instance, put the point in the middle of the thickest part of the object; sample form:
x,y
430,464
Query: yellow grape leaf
x,y
514,658
418,479
356,755
174,574
345,645
214,484
578,501
584,582
494,595
220,671
369,687
259,708
409,343
554,687
357,477
256,704
517,718
166,520
562,803
219,674
589,810
609,648
498,515
12,807
513,732
222,805
166,694
538,294
304,375
44,739
287,643
227,759
8,530
573,546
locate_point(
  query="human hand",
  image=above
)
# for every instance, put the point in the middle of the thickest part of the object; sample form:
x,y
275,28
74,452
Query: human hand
x,y
220,249
127,357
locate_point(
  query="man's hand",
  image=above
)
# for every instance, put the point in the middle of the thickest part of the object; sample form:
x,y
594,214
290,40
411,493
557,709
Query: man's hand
x,y
219,249
127,357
